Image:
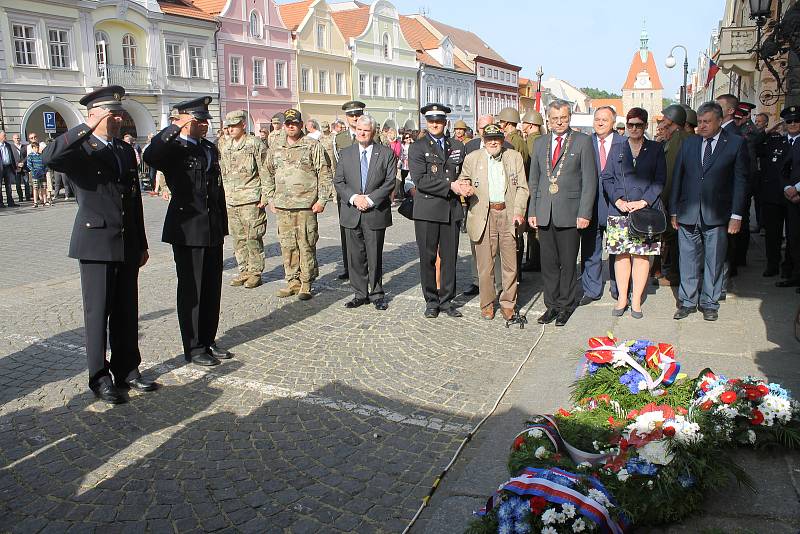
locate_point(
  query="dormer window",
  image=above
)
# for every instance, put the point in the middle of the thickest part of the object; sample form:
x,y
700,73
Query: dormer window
x,y
255,24
387,47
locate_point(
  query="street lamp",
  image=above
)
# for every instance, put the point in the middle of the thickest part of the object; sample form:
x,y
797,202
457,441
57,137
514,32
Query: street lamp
x,y
247,95
670,62
760,10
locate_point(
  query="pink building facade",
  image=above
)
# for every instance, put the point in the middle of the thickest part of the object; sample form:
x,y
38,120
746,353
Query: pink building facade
x,y
256,59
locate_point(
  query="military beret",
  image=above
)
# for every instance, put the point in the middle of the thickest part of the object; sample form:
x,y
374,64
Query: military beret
x,y
435,111
492,130
790,112
353,107
197,107
109,98
292,115
235,117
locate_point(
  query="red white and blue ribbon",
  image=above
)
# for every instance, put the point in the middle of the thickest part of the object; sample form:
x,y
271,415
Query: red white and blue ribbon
x,y
659,357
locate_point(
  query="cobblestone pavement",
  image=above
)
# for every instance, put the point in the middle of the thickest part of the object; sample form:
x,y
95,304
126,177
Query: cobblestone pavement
x,y
326,420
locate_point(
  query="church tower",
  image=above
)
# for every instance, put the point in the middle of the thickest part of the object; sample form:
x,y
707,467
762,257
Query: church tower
x,y
643,87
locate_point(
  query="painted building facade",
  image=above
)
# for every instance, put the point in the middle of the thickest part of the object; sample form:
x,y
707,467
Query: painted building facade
x,y
52,53
642,87
324,80
384,72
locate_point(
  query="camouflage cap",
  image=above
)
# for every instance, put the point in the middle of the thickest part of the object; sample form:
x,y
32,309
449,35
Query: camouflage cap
x,y
492,131
292,115
233,118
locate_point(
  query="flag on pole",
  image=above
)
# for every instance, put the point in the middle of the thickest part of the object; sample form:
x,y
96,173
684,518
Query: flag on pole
x,y
713,69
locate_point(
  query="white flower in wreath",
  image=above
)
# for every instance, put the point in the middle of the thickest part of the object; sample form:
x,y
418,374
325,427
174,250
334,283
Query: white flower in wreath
x,y
646,422
561,518
656,452
569,510
535,433
751,437
541,453
596,445
649,484
579,525
549,516
600,497
685,431
623,475
584,465
727,411
549,530
774,407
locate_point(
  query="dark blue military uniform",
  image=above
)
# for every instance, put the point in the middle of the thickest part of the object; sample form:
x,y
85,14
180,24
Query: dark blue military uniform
x,y
437,211
195,225
775,161
108,238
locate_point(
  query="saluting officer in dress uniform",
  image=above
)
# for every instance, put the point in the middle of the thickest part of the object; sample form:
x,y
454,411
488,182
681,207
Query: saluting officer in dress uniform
x,y
352,111
108,239
195,225
434,162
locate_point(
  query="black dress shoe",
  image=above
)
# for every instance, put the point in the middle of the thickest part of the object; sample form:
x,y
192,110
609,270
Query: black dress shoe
x,y
683,312
733,271
791,282
355,303
770,271
587,300
709,314
106,392
381,305
343,276
139,384
453,312
563,317
203,359
216,352
431,313
548,317
531,267
472,290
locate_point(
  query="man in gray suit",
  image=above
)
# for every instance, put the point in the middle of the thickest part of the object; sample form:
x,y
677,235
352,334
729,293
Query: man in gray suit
x,y
563,188
364,179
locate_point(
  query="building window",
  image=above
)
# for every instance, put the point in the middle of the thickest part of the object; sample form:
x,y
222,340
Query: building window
x,y
197,62
322,42
508,76
398,92
410,89
438,95
339,83
496,74
449,97
236,70
305,79
280,74
387,47
458,96
429,94
128,50
376,86
514,77
483,71
259,67
322,82
387,86
173,51
255,24
101,48
362,84
59,48
24,44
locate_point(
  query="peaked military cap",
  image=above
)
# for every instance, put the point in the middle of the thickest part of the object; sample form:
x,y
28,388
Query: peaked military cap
x,y
492,131
197,107
742,109
109,98
791,112
292,115
435,111
353,107
235,117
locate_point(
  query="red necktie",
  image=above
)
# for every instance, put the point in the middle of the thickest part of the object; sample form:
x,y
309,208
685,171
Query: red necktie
x,y
603,155
557,151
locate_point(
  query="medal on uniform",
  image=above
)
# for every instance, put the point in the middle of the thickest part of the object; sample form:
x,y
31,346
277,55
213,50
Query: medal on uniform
x,y
434,168
553,188
553,179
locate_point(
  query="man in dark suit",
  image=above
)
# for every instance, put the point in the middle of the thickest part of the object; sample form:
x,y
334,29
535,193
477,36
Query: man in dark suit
x,y
606,143
434,162
8,170
196,225
709,192
108,239
791,191
563,187
364,180
20,151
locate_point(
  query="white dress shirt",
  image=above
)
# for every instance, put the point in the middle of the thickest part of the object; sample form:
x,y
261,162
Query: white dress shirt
x,y
361,151
714,141
606,143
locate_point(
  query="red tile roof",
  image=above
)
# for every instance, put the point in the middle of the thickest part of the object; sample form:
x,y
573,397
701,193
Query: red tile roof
x,y
294,13
466,41
185,8
417,35
352,22
616,103
637,66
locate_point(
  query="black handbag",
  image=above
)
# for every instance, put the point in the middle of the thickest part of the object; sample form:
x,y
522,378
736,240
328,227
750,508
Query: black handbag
x,y
645,223
406,208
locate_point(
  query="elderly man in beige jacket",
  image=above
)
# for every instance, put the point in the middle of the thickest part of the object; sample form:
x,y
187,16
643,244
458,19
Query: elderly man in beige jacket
x,y
498,203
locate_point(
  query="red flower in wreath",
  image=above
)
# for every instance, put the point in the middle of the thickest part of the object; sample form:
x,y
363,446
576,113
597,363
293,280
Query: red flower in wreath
x,y
681,410
706,405
564,413
763,389
538,505
729,397
669,431
518,442
756,418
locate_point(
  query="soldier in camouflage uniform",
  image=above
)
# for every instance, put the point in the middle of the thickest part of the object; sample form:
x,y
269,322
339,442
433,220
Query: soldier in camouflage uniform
x,y
298,184
243,163
277,129
326,139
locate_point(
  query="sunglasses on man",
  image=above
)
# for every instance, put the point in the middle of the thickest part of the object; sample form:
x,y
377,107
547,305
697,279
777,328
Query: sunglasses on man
x,y
791,121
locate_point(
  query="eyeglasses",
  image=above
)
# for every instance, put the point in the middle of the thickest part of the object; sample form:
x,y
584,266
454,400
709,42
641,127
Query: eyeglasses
x,y
636,125
791,121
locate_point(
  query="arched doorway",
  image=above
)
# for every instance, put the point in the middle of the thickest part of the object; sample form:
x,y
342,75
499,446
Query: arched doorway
x,y
66,117
410,125
390,124
128,125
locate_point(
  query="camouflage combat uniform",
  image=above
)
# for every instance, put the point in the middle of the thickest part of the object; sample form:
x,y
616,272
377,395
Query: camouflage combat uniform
x,y
243,164
298,176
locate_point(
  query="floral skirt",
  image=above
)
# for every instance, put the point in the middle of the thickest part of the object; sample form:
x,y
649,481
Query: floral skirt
x,y
620,241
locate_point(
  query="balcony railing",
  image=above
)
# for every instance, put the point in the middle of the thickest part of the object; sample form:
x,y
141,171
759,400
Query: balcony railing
x,y
128,77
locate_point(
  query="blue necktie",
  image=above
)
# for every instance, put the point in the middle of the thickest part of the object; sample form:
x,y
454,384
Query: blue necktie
x,y
441,144
364,170
707,155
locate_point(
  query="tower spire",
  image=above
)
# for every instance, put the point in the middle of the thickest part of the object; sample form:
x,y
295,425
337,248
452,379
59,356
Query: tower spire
x,y
643,40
